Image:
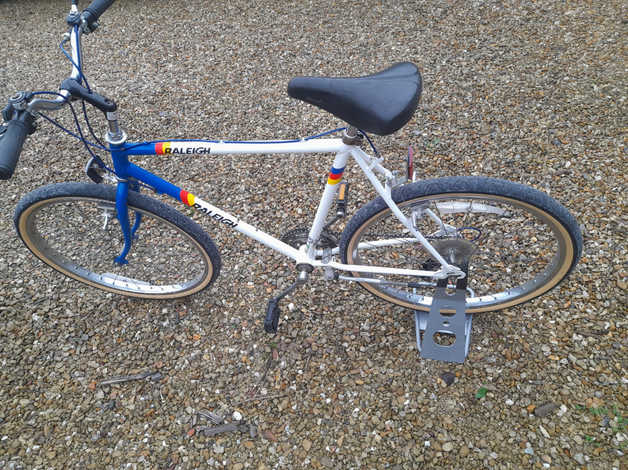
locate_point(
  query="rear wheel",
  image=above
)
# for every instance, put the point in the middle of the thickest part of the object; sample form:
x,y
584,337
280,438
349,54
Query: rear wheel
x,y
73,228
524,242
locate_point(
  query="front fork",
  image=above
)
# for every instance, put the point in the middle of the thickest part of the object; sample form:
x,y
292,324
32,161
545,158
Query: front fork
x,y
116,139
122,211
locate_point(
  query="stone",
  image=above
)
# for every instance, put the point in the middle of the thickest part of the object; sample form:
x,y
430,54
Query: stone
x,y
545,409
218,448
448,378
307,444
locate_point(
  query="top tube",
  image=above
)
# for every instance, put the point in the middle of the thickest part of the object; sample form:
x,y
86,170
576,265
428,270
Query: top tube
x,y
203,147
317,136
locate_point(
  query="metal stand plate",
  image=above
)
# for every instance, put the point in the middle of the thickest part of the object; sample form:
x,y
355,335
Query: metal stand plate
x,y
457,324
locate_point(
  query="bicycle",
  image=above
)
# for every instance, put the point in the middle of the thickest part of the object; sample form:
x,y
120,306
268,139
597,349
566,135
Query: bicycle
x,y
501,242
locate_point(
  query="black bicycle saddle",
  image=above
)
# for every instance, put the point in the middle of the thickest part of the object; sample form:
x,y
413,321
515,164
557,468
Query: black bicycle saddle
x,y
381,103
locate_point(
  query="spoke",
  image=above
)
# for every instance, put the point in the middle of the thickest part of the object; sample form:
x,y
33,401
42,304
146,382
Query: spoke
x,y
494,276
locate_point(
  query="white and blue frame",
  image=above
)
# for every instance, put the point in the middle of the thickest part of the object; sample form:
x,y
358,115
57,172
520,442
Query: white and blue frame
x,y
128,173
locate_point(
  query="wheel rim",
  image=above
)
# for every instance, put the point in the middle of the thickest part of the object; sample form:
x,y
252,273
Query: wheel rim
x,y
525,249
80,237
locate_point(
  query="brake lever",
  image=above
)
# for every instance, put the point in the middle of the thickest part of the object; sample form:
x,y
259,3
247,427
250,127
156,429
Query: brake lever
x,y
78,91
16,104
76,18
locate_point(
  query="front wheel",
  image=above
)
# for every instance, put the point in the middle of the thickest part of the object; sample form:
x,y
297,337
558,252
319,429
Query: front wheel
x,y
73,228
523,242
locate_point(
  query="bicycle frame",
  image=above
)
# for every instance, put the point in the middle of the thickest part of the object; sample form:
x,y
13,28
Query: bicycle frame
x,y
128,173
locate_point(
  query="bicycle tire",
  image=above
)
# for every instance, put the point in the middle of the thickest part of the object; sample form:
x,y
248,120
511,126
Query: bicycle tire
x,y
519,260
73,228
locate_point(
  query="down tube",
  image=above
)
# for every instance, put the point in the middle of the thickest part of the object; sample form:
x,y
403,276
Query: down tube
x,y
213,212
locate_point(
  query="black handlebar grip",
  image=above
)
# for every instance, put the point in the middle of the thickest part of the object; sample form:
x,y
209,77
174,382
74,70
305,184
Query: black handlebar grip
x,y
11,142
95,9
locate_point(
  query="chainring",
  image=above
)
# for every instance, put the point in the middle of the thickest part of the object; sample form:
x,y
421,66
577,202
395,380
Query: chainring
x,y
298,237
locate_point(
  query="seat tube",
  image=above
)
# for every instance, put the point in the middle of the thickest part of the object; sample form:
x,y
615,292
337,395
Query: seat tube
x,y
334,177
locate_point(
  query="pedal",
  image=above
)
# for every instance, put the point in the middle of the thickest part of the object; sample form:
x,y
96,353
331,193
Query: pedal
x,y
341,198
341,204
410,174
271,322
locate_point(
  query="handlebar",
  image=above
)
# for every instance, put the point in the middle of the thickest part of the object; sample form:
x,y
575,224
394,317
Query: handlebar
x,y
90,15
12,137
94,10
21,122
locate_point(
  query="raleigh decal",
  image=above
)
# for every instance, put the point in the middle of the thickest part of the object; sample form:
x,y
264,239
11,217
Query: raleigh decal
x,y
167,148
187,151
218,217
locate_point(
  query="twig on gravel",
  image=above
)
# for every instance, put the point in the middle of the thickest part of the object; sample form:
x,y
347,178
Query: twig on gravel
x,y
213,417
263,377
591,332
261,398
307,363
154,376
536,382
229,427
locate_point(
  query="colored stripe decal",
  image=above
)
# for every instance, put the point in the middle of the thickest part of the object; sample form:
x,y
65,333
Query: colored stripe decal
x,y
335,175
186,198
161,147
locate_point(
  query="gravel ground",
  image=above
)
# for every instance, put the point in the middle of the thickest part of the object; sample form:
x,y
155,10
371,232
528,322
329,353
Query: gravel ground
x,y
529,91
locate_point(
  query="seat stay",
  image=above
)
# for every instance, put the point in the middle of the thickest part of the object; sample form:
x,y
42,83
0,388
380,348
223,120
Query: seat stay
x,y
364,161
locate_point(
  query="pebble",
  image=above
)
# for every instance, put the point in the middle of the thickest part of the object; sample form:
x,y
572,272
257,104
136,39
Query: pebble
x,y
218,449
448,378
307,444
545,409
